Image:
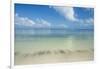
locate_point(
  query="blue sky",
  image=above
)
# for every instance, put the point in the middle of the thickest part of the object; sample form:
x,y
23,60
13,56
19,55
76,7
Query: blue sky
x,y
45,16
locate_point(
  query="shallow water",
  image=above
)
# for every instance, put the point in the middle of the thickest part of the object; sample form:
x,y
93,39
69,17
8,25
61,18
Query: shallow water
x,y
28,44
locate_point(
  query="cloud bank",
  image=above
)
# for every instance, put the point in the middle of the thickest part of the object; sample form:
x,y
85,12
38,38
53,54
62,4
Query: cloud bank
x,y
25,21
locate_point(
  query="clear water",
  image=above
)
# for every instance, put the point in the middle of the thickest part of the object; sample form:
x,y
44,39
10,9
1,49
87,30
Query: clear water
x,y
30,41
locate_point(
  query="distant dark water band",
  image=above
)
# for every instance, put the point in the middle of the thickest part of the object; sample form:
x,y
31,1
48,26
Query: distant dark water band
x,y
51,35
54,35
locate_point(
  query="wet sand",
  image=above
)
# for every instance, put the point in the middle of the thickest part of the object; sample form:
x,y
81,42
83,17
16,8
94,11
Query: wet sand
x,y
53,56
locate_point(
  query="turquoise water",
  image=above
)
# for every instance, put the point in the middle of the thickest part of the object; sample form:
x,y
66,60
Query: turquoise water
x,y
75,40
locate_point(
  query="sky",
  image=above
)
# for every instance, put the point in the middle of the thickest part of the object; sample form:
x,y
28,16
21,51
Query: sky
x,y
48,16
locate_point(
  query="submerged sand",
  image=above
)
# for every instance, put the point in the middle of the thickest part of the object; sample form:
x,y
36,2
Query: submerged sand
x,y
53,56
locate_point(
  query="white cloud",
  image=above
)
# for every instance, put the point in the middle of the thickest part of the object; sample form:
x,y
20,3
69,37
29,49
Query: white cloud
x,y
90,20
67,12
42,23
25,21
86,21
